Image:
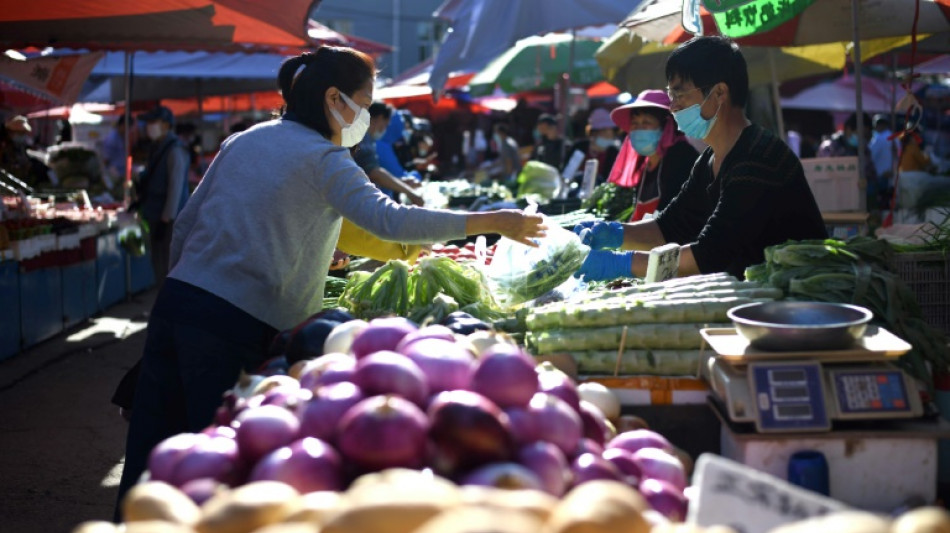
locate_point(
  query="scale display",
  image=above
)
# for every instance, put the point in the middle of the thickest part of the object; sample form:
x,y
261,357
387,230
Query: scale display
x,y
876,392
789,397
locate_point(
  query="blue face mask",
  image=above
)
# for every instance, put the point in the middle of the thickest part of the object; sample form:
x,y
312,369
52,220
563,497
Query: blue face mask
x,y
645,141
691,122
603,142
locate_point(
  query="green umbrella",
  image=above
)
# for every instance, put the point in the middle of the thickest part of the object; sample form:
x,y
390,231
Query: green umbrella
x,y
537,63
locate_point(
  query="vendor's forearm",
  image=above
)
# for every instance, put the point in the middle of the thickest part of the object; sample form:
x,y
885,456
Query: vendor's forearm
x,y
643,235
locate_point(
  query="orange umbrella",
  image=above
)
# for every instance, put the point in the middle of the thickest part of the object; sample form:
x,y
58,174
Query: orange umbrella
x,y
155,24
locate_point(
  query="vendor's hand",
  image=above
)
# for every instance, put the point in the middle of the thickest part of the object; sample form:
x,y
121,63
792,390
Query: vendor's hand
x,y
604,265
600,235
340,260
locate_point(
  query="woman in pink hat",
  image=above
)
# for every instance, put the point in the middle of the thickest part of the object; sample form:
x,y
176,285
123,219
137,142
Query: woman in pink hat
x,y
656,158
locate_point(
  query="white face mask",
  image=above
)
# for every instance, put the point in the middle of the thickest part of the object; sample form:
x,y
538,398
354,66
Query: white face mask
x,y
154,131
351,134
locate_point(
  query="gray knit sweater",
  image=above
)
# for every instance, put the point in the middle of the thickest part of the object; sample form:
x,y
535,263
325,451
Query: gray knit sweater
x,y
260,229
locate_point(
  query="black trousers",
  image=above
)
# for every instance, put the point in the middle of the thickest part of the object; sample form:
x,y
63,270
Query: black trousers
x,y
196,346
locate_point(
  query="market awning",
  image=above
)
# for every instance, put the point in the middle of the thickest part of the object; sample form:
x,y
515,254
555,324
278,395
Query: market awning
x,y
155,24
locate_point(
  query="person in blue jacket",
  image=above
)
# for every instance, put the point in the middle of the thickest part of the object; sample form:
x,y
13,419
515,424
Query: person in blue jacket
x,y
386,152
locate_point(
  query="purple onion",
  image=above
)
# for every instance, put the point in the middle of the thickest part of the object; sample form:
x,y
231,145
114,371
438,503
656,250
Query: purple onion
x,y
320,416
506,376
387,372
549,464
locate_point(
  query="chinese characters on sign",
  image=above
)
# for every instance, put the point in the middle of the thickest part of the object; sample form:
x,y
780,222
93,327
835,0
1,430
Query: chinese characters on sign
x,y
743,17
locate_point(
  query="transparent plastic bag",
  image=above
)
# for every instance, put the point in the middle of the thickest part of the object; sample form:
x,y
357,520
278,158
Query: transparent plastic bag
x,y
520,273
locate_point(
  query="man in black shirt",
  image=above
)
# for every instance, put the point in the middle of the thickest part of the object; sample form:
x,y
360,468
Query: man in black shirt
x,y
550,147
746,191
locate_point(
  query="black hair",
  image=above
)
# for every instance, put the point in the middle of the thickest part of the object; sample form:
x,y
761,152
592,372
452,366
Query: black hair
x,y
381,109
328,66
547,118
660,114
709,60
852,122
501,127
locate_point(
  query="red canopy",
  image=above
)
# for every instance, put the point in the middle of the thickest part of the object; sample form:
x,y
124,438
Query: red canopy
x,y
155,24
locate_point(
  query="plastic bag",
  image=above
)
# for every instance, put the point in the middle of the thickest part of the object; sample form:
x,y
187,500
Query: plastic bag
x,y
520,273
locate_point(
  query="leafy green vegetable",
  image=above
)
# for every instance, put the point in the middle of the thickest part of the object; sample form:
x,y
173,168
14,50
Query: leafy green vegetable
x,y
546,274
857,271
611,201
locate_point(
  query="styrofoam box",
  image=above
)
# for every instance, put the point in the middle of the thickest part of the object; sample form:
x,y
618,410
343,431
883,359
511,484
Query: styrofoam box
x,y
834,182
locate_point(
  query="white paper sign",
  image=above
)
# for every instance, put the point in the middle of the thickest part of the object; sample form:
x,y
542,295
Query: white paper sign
x,y
749,501
663,264
573,164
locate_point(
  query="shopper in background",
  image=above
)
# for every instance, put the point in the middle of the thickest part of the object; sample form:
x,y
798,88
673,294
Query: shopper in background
x,y
18,136
507,163
366,156
745,192
390,144
883,149
252,247
656,158
162,188
600,143
913,159
113,149
549,146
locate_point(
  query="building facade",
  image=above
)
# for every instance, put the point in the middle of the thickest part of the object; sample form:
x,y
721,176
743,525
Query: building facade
x,y
407,25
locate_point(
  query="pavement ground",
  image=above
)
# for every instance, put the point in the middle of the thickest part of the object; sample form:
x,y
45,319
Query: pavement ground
x,y
61,439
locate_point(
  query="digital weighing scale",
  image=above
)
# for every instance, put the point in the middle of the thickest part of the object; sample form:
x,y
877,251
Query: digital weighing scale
x,y
794,392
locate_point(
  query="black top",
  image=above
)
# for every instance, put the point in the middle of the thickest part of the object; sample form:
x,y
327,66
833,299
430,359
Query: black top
x,y
674,168
551,151
760,198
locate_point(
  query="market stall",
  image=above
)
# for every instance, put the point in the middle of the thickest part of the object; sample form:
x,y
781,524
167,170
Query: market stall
x,y
62,262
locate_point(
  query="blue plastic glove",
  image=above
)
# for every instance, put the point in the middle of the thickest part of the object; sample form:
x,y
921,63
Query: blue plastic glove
x,y
604,265
600,235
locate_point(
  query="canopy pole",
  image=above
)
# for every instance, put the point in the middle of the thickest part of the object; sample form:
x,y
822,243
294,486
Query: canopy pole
x,y
859,109
777,99
565,88
127,184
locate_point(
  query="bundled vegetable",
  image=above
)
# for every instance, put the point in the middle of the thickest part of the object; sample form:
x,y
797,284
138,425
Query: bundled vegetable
x,y
436,287
639,336
856,272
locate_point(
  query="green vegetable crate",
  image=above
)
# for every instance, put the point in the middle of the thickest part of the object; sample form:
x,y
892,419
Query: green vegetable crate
x,y
927,274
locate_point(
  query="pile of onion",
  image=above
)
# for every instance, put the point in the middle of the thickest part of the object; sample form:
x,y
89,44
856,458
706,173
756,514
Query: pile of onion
x,y
410,397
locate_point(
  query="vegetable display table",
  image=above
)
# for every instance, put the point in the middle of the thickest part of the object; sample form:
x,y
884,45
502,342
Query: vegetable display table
x,y
79,292
110,270
10,310
41,304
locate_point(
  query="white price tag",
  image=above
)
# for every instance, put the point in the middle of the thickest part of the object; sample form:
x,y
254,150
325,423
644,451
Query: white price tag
x,y
749,501
664,263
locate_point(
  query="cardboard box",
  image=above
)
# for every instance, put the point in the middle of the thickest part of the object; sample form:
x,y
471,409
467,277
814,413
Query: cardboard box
x,y
834,182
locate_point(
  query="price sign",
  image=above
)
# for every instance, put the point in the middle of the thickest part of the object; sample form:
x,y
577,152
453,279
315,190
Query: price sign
x,y
664,263
750,501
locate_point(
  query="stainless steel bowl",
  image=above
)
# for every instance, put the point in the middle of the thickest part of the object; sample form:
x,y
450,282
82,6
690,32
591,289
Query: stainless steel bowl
x,y
800,326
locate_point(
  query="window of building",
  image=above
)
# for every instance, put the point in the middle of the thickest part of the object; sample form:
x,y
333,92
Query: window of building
x,y
429,37
341,25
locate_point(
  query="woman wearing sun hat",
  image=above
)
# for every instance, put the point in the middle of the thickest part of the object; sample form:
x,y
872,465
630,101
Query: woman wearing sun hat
x,y
656,158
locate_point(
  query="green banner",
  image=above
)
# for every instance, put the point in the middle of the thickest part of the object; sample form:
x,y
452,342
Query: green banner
x,y
757,16
718,6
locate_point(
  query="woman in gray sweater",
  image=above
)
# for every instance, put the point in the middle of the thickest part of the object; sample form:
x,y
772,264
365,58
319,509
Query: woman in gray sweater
x,y
252,247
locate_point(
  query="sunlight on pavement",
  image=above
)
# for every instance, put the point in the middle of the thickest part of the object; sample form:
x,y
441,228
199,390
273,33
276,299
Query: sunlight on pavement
x,y
118,327
113,475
